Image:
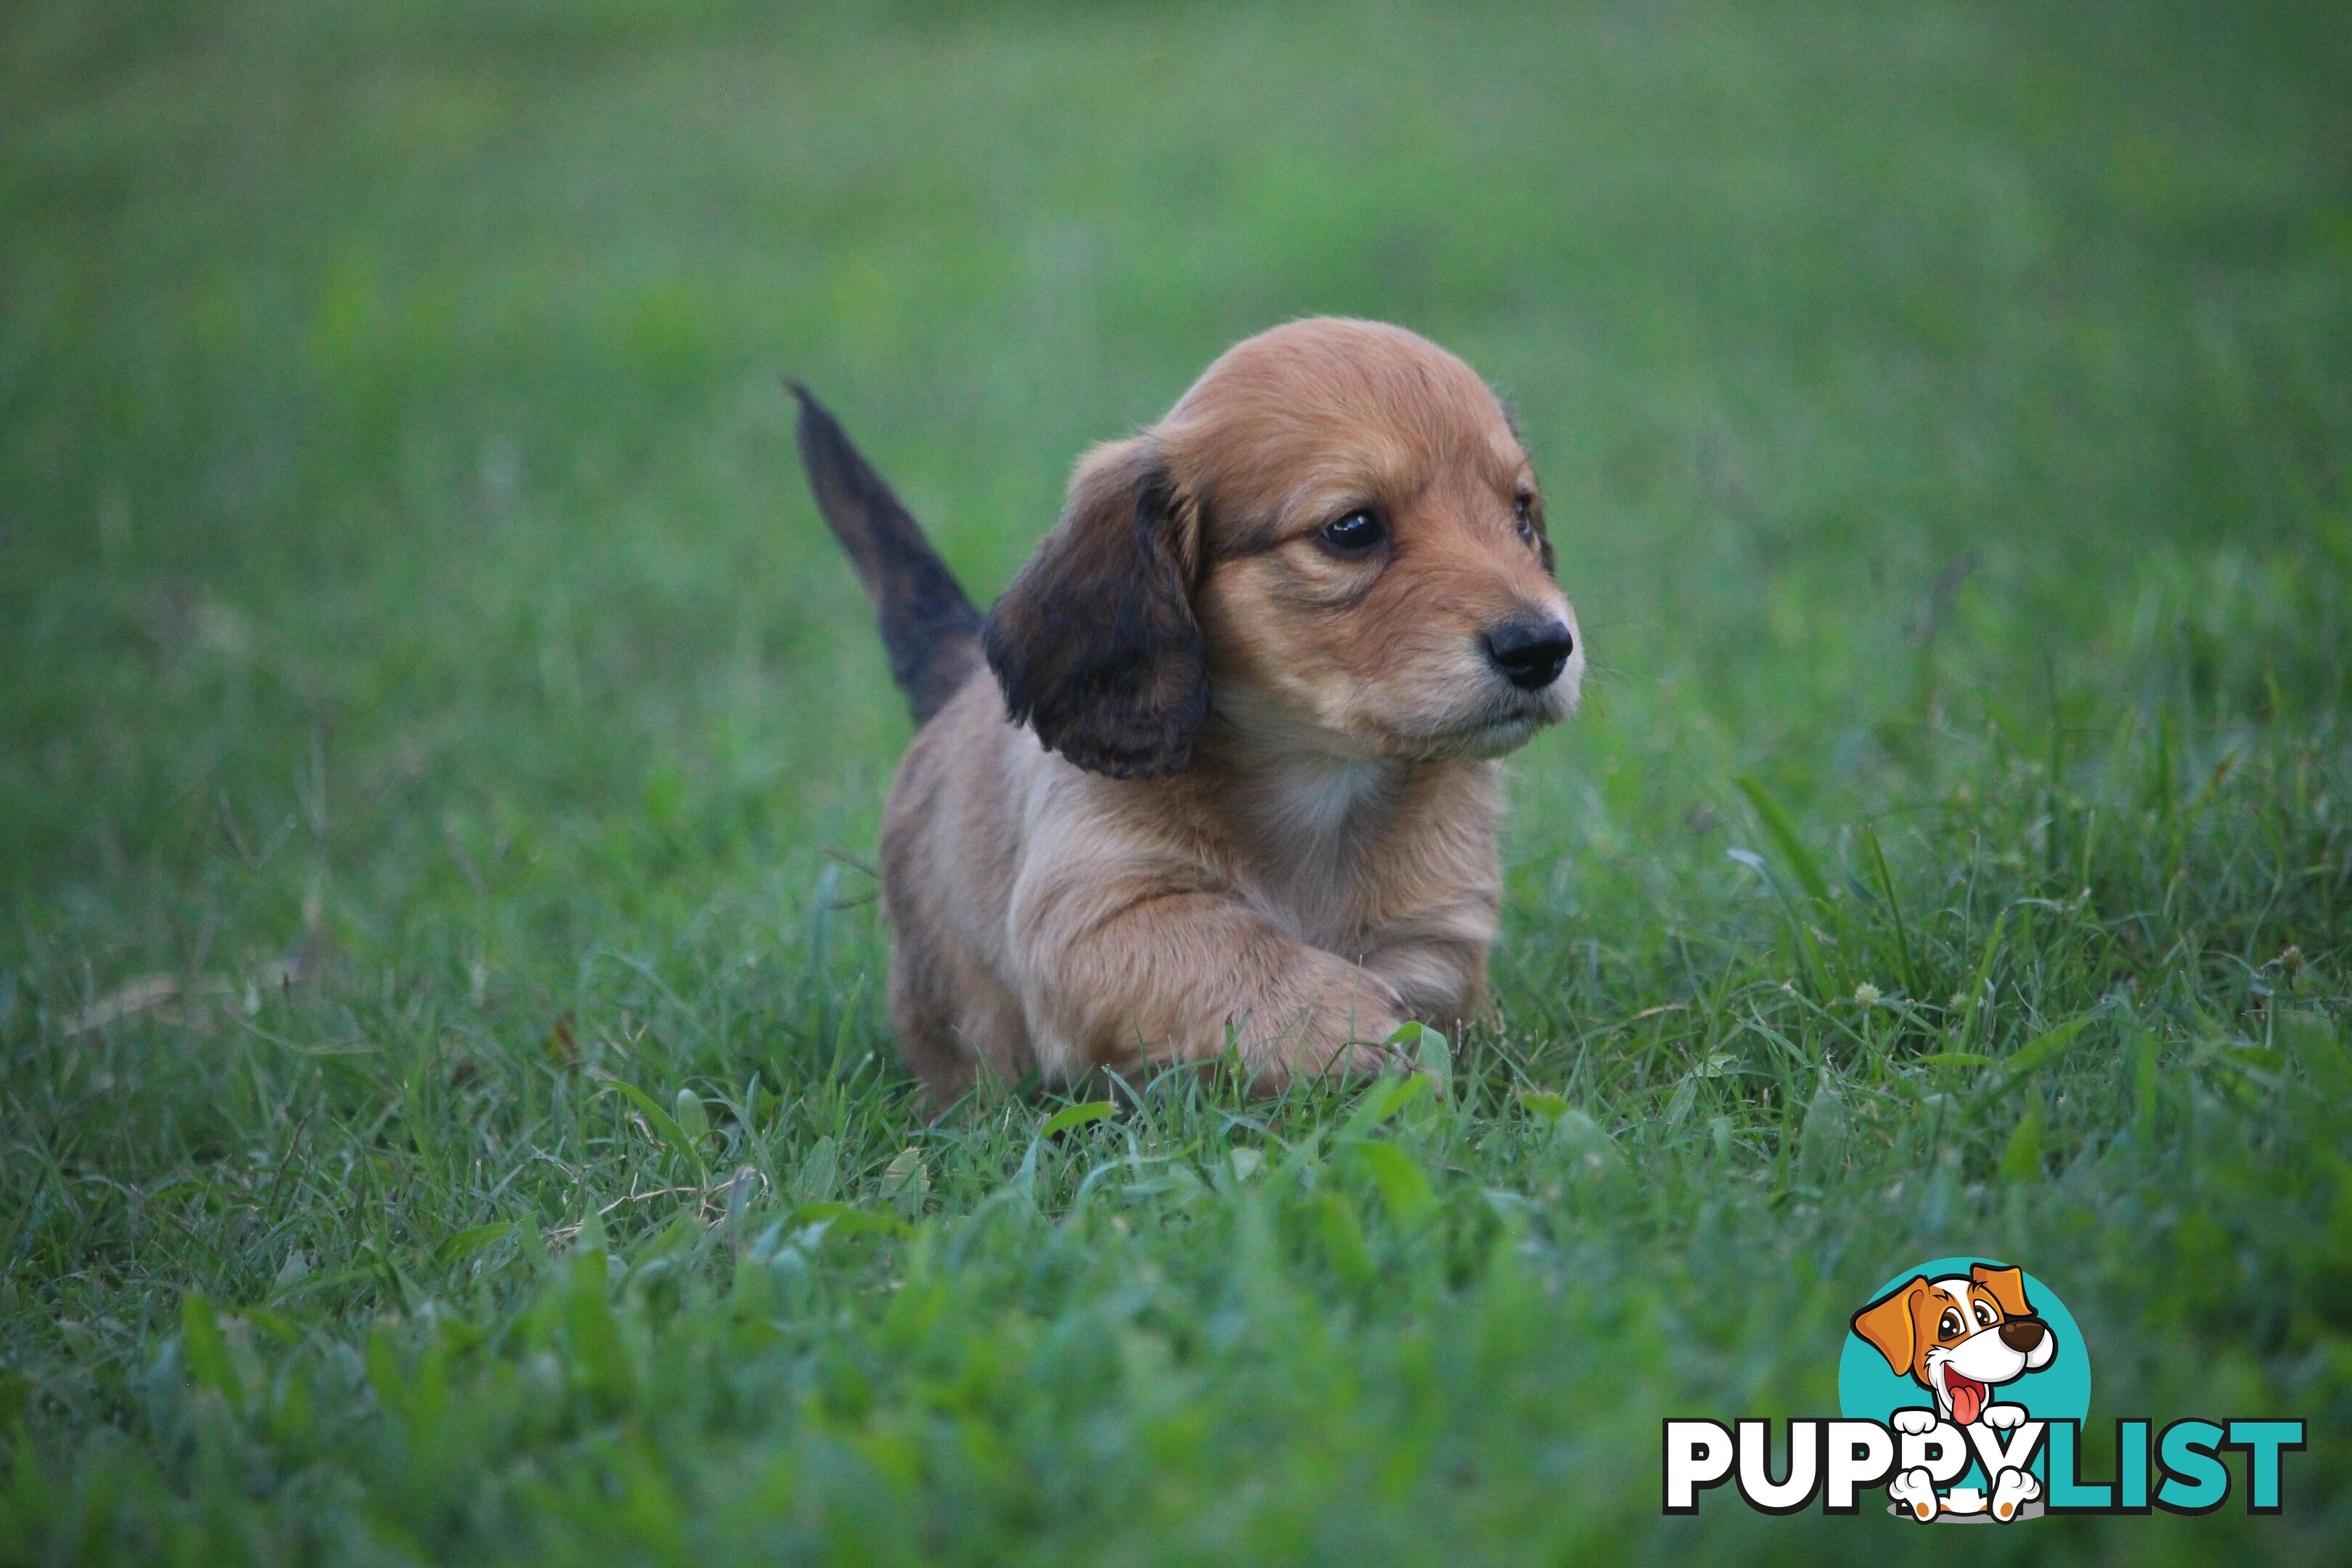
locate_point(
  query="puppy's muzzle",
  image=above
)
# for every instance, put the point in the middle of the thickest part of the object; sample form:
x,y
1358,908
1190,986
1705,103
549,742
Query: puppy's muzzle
x,y
2022,1334
1529,650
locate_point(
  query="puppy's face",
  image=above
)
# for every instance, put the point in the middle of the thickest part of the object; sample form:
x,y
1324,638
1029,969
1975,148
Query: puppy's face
x,y
1375,573
1960,1337
1335,538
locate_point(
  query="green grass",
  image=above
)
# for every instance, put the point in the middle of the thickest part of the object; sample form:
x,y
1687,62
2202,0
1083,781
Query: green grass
x,y
444,1111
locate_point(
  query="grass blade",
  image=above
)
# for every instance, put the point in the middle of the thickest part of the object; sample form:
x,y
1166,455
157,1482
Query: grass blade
x,y
1071,1116
207,1351
1894,911
663,1124
1783,833
1975,992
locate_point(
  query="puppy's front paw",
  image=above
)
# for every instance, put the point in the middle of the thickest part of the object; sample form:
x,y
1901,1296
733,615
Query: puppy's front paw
x,y
1915,1491
1335,1026
1916,1423
2002,1417
2012,1490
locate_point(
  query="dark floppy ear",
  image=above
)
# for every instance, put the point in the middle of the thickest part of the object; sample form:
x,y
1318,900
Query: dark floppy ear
x,y
1095,643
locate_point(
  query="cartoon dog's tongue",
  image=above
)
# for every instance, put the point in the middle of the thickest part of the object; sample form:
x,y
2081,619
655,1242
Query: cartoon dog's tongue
x,y
1967,1397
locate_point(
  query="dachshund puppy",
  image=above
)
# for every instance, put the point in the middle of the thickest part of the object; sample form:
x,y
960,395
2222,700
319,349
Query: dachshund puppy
x,y
1218,772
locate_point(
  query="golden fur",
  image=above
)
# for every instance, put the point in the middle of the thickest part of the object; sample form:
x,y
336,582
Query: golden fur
x,y
1269,813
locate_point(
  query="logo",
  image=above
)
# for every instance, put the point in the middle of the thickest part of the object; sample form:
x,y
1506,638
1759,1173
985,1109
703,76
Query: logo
x,y
1964,1356
1963,1386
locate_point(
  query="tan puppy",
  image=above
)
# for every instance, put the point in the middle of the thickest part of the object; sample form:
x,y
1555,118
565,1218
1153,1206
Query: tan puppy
x,y
1218,769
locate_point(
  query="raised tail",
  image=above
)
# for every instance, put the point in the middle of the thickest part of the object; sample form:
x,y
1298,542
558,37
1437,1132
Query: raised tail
x,y
929,628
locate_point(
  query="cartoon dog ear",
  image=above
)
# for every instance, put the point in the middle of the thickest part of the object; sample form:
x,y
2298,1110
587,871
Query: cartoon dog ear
x,y
2008,1288
1889,1327
1095,643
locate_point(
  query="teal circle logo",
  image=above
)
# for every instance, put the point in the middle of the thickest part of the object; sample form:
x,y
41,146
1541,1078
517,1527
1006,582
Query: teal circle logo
x,y
1974,1341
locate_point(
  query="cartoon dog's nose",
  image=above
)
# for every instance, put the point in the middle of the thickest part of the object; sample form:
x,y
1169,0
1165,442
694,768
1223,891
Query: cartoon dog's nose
x,y
2022,1334
1530,650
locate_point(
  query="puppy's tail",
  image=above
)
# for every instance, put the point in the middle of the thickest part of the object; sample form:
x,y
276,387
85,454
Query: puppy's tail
x,y
929,628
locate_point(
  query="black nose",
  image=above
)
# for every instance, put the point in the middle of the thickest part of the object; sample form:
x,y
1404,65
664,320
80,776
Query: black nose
x,y
2023,1333
1530,650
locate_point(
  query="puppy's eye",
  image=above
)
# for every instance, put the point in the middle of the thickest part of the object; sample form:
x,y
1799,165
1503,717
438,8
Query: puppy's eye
x,y
1984,1316
1354,533
1950,1326
1524,508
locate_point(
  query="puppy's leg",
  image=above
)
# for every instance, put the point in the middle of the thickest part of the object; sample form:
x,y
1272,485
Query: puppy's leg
x,y
924,1028
1443,982
1163,976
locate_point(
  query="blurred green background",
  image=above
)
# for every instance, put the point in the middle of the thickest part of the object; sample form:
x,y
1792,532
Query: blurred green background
x,y
424,679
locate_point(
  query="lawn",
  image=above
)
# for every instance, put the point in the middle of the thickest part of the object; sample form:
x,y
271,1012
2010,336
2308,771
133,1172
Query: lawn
x,y
446,1113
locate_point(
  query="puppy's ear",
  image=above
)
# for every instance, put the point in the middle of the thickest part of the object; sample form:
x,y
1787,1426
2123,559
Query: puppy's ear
x,y
1889,1327
1095,643
2008,1288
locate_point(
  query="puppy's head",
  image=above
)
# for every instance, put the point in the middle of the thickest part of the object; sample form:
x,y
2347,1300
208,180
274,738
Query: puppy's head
x,y
1335,531
1959,1336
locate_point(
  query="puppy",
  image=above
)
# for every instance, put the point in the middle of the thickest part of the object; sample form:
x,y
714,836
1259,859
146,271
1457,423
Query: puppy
x,y
1960,1337
1217,774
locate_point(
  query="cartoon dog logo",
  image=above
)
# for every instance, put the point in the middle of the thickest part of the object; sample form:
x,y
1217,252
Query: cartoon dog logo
x,y
1960,1337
